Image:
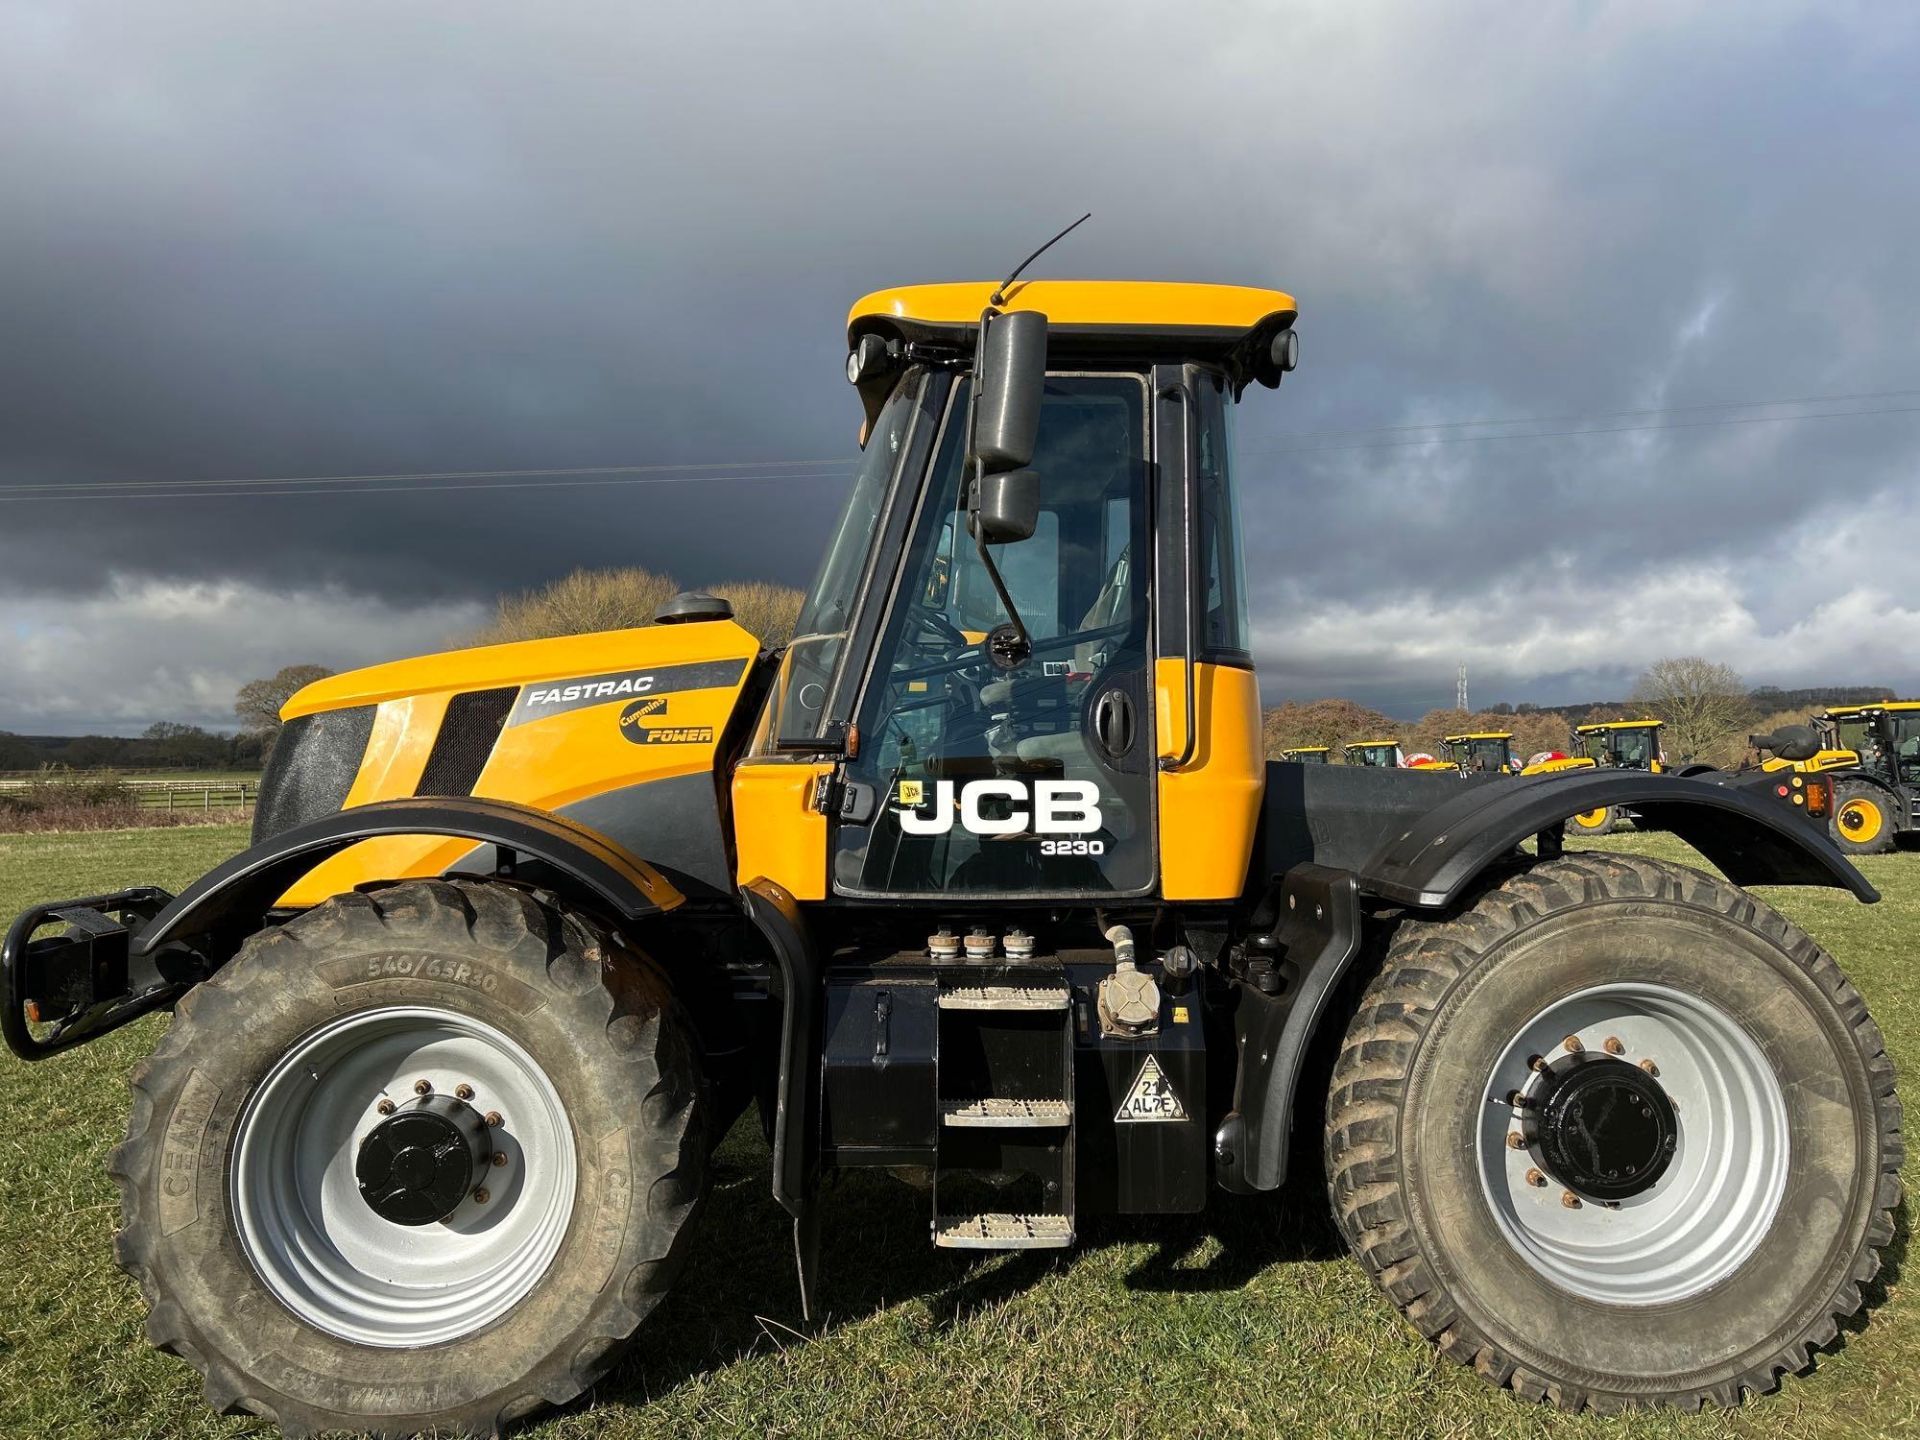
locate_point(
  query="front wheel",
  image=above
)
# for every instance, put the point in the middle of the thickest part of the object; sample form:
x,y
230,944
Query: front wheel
x,y
1601,821
1616,1135
418,1160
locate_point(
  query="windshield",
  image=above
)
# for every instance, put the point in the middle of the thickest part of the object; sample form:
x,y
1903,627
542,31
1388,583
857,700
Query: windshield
x,y
1628,749
821,630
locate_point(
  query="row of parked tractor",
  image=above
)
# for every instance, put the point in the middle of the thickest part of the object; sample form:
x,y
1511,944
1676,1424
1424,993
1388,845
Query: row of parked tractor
x,y
1854,769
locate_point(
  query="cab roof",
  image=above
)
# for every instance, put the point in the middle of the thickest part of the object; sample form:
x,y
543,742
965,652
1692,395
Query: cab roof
x,y
1593,725
1145,315
1303,749
1367,744
1479,735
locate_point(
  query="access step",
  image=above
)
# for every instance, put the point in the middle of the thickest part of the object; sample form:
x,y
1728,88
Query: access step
x,y
1003,1232
1006,1113
1004,997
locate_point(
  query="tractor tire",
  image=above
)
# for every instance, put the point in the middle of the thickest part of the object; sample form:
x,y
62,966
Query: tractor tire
x,y
334,1238
1602,821
1862,821
1708,1139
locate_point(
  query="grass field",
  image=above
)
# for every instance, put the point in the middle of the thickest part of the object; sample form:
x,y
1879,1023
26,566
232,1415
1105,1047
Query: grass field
x,y
1248,1321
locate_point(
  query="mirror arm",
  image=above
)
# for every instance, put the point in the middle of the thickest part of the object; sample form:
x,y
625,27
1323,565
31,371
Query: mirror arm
x,y
999,585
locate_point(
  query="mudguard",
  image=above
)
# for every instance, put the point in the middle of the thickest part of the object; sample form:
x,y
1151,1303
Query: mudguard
x,y
245,887
1750,839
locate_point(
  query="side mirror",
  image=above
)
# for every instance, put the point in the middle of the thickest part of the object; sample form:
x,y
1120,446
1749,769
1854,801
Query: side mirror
x,y
1008,506
1013,378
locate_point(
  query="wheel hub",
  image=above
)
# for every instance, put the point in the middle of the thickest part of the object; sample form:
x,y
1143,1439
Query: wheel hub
x,y
1606,1129
416,1166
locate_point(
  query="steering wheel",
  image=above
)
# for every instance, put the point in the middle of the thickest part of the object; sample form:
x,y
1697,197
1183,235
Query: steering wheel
x,y
933,623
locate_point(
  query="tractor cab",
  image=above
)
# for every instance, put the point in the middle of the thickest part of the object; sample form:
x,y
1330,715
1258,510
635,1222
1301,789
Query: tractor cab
x,y
1027,648
1622,744
1307,754
1380,754
1486,752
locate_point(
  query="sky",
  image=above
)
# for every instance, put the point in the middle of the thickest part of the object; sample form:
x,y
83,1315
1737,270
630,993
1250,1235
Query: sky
x,y
366,239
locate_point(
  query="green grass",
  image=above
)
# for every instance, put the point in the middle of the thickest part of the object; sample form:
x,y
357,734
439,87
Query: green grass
x,y
1245,1321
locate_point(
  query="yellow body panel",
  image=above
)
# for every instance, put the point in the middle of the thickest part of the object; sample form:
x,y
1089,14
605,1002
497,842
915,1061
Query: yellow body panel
x,y
1478,735
1116,304
1822,760
778,835
546,761
1210,809
1553,767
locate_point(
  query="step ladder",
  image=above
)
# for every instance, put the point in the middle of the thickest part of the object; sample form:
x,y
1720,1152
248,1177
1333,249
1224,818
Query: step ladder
x,y
1003,1177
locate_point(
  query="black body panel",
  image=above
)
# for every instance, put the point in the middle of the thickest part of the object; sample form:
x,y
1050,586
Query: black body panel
x,y
680,817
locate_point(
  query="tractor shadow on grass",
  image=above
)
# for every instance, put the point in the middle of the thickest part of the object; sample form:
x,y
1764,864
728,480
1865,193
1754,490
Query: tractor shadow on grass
x,y
738,1298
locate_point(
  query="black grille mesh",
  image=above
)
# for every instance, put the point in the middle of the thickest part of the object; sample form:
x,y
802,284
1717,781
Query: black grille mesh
x,y
465,741
314,760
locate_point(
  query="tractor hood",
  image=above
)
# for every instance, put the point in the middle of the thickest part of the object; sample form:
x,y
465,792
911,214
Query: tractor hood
x,y
564,725
570,658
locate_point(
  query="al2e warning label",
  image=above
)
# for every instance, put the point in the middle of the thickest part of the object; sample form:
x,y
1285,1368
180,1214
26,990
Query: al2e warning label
x,y
1151,1097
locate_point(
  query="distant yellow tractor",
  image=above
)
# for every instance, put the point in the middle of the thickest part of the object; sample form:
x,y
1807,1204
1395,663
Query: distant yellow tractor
x,y
1490,752
1616,745
1307,754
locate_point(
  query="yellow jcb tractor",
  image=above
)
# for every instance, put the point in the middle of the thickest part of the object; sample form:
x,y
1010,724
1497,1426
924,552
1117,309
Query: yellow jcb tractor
x,y
1876,798
523,929
1307,754
1616,745
1490,752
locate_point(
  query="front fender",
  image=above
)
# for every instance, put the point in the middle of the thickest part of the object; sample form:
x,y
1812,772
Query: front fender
x,y
1752,839
232,896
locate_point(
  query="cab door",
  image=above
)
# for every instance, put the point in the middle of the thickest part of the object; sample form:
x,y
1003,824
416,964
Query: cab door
x,y
1033,778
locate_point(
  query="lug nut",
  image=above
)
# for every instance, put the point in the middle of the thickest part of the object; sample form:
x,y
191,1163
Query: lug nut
x,y
1536,1179
1536,1063
1613,1046
1649,1067
1570,1200
385,1107
1572,1045
491,1119
480,1196
463,1092
1516,1141
499,1158
423,1087
1518,1100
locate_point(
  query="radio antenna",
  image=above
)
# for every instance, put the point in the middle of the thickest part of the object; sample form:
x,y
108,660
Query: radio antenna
x,y
999,295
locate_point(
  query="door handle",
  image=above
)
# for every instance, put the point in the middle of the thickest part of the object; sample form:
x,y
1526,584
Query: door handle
x,y
1113,722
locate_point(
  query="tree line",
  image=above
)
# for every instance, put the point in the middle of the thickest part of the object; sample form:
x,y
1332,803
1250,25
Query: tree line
x,y
1708,709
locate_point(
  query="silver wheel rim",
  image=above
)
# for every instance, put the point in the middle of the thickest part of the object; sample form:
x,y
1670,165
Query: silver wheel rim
x,y
1718,1197
315,1243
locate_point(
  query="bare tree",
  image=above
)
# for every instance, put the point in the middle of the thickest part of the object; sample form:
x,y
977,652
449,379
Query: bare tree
x,y
589,601
260,701
1704,703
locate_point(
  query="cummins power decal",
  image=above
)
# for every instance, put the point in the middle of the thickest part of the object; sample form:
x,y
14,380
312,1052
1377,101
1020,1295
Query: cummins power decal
x,y
1151,1096
555,697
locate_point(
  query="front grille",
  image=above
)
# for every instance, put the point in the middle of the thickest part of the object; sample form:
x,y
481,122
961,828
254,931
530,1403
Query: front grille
x,y
311,769
465,741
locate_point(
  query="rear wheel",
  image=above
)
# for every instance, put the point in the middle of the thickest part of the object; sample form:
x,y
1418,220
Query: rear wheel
x,y
1862,822
1616,1135
420,1159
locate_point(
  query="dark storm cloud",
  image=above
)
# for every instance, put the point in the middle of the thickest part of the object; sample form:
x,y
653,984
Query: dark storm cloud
x,y
244,241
